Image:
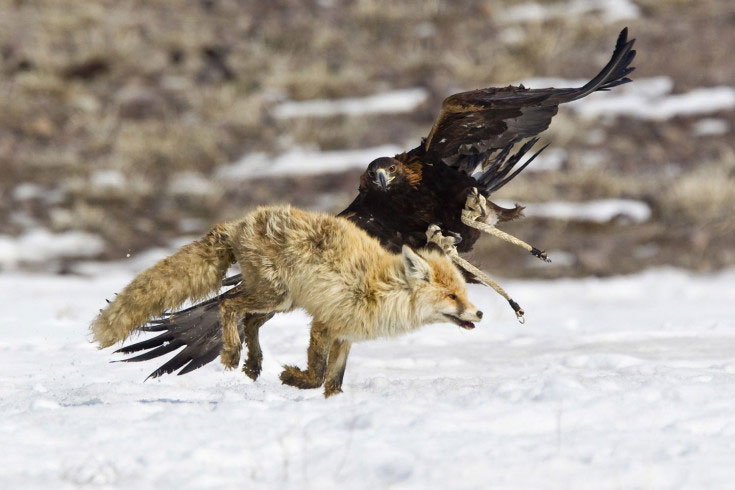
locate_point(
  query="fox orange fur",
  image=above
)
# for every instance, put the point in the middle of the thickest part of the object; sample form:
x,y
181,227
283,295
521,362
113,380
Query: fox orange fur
x,y
352,287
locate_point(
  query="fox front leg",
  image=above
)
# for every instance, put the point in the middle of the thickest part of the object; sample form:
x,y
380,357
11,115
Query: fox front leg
x,y
336,365
317,354
231,345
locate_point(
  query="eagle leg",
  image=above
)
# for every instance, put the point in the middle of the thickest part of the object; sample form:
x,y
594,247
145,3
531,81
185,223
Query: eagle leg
x,y
448,245
476,215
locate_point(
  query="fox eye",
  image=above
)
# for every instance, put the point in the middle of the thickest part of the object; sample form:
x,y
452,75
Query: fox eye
x,y
392,168
452,296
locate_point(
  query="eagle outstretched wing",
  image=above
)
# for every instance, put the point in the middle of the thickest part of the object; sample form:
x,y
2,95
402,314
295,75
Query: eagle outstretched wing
x,y
474,128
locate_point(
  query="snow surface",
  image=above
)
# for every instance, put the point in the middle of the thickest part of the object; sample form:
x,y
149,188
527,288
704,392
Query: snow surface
x,y
191,184
644,98
698,101
626,382
39,245
109,179
27,191
549,160
303,161
608,11
710,126
392,102
595,210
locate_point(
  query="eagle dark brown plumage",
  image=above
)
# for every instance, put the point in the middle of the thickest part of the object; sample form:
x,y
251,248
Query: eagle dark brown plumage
x,y
477,142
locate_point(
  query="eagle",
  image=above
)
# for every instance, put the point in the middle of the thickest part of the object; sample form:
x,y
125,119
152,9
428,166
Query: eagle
x,y
480,141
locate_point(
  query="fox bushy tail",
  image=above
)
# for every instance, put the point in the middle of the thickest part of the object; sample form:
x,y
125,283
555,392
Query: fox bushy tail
x,y
194,272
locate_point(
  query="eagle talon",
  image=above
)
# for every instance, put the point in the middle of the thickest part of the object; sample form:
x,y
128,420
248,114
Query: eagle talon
x,y
457,237
477,205
446,243
433,230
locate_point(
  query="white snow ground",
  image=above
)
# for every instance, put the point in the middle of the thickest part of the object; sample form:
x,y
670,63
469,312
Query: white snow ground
x,y
627,382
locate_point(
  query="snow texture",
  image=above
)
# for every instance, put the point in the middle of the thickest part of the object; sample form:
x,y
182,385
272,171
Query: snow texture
x,y
39,245
645,98
302,161
625,382
608,11
392,102
190,184
711,127
596,210
549,160
27,191
108,179
698,101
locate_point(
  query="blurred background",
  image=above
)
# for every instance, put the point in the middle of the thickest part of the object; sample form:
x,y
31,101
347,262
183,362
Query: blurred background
x,y
127,125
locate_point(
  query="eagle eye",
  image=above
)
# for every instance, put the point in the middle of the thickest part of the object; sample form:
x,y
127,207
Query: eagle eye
x,y
371,173
392,168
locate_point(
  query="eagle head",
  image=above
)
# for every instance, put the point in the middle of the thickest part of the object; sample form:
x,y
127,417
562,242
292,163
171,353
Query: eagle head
x,y
386,172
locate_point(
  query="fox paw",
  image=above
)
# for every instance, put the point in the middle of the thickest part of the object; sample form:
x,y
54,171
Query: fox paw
x,y
332,388
294,376
252,368
230,357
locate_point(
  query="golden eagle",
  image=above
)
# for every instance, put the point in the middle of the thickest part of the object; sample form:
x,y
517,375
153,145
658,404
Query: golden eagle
x,y
475,146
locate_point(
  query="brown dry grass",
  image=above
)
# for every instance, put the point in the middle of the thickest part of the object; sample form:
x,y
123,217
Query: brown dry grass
x,y
151,89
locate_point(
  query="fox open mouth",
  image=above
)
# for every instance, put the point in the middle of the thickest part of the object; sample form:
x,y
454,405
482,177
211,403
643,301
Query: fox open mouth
x,y
460,322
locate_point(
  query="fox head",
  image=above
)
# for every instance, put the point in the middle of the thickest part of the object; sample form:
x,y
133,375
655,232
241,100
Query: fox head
x,y
438,288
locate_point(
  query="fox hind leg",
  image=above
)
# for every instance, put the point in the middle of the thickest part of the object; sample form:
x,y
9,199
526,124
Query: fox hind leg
x,y
336,365
254,362
236,307
317,354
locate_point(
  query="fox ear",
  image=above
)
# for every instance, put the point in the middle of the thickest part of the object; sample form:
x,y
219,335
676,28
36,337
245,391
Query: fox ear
x,y
417,269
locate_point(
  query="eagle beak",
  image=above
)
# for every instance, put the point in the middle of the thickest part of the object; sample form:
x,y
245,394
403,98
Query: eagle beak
x,y
382,179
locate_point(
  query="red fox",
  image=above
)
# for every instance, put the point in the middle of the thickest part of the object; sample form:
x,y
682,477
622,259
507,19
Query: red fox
x,y
352,287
